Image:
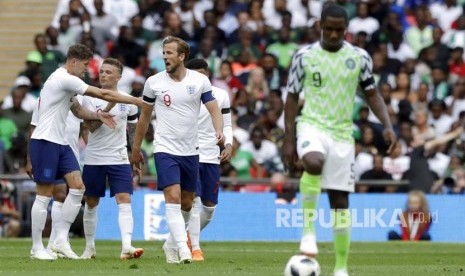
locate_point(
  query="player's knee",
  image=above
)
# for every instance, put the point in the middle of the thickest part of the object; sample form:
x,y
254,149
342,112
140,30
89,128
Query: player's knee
x,y
172,196
186,204
338,199
313,163
92,202
45,190
59,193
208,203
123,198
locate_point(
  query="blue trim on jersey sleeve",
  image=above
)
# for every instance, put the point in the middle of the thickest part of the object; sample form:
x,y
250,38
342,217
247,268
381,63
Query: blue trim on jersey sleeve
x,y
148,100
207,97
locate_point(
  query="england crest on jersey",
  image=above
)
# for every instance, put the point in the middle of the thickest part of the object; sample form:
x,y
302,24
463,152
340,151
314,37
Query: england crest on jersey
x,y
191,89
122,107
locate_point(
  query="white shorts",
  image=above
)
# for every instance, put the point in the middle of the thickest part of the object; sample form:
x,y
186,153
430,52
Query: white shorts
x,y
338,173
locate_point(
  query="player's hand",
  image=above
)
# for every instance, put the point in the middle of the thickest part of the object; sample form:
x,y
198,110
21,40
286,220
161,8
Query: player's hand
x,y
138,101
137,159
219,138
390,138
29,169
226,153
289,153
136,176
107,119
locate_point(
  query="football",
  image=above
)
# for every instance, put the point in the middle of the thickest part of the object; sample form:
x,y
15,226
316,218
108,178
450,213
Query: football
x,y
301,265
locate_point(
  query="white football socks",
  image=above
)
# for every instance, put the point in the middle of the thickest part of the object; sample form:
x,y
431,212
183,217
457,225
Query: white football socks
x,y
71,208
39,217
57,208
206,216
90,224
194,224
176,224
126,224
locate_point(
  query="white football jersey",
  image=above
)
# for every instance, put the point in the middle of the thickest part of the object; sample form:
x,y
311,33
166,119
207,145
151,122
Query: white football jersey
x,y
54,105
73,127
177,106
209,150
107,146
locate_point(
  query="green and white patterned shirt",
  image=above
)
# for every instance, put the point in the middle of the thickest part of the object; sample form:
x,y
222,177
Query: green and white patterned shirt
x,y
329,81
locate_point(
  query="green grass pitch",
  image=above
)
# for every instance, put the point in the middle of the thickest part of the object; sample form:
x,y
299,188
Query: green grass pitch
x,y
241,258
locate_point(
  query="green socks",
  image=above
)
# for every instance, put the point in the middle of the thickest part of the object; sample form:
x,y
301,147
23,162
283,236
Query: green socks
x,y
310,190
342,226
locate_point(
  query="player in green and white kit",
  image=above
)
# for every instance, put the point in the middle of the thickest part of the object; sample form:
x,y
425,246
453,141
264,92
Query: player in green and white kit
x,y
329,73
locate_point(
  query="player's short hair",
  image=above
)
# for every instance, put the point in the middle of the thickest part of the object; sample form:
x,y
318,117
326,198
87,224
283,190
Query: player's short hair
x,y
334,10
114,62
79,52
197,63
183,47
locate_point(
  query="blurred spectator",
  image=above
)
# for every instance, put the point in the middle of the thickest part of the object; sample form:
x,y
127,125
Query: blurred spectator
x,y
21,87
227,81
127,77
123,10
244,22
256,19
143,37
172,21
396,164
210,55
273,74
211,29
455,37
456,63
153,15
67,36
51,59
16,113
155,52
363,161
245,44
402,89
439,75
419,175
138,86
422,130
103,20
10,226
420,36
264,151
446,13
398,49
226,18
33,64
126,46
284,49
441,121
419,98
243,162
244,65
440,52
361,40
249,118
190,23
8,131
377,173
363,22
52,40
454,182
257,85
456,102
391,24
368,143
405,136
415,220
285,191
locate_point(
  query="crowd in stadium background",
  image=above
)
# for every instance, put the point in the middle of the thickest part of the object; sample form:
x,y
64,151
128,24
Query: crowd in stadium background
x,y
417,48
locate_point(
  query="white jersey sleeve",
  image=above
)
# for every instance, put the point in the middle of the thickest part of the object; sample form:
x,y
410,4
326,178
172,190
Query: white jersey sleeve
x,y
35,114
74,85
132,116
366,78
227,123
148,95
295,83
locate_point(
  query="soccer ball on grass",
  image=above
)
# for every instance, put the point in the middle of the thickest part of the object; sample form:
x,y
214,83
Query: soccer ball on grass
x,y
301,265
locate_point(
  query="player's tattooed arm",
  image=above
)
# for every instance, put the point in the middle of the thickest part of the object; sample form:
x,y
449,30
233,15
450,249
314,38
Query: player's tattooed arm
x,y
85,114
131,133
93,125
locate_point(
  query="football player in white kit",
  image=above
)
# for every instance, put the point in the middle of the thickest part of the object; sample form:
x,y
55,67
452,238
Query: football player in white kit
x,y
73,127
206,193
177,94
107,157
50,154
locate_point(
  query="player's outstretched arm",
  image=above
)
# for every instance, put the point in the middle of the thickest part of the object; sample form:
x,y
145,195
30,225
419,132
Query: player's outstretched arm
x,y
291,110
94,125
141,129
217,119
377,105
112,96
28,157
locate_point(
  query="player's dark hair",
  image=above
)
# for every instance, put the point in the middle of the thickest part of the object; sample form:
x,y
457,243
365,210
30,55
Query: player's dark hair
x,y
114,62
183,47
197,63
79,52
334,10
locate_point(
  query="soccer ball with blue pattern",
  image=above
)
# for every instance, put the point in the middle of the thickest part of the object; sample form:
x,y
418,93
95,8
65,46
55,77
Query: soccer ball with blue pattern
x,y
301,265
